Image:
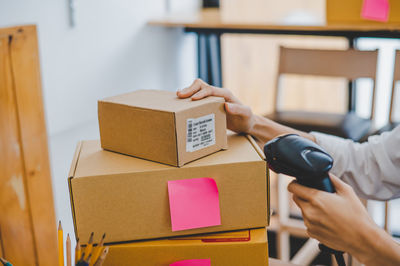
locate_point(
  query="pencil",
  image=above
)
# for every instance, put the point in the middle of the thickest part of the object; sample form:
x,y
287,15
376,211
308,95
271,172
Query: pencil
x,y
89,247
68,244
78,251
102,257
5,263
60,245
81,261
84,262
97,251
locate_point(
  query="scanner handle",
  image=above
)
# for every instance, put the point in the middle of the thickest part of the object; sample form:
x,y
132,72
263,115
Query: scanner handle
x,y
324,183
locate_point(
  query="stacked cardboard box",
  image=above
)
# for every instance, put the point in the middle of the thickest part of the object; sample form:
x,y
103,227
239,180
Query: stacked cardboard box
x,y
348,12
221,184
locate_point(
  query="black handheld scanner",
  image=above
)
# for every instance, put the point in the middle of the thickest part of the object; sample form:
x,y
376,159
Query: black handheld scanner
x,y
301,158
307,162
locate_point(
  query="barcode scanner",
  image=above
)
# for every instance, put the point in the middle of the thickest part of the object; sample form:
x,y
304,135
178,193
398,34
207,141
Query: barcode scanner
x,y
306,161
301,158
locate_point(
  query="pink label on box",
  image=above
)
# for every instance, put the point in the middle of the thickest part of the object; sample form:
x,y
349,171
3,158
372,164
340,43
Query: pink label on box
x,y
193,203
377,10
201,262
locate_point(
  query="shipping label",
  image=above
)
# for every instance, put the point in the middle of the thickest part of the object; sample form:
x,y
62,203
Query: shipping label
x,y
200,132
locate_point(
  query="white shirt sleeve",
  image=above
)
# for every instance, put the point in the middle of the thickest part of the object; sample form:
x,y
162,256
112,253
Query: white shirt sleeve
x,y
371,168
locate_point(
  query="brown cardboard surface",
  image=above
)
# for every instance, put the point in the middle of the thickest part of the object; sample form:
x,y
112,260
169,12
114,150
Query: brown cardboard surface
x,y
152,125
127,197
248,247
165,101
349,12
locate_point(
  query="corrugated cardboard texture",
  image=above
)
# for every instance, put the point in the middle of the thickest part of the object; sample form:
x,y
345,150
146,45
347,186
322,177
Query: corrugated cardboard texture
x,y
127,197
151,125
165,101
250,249
349,12
144,133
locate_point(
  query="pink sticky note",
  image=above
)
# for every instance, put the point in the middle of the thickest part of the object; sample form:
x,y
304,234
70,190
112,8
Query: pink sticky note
x,y
375,10
201,262
193,203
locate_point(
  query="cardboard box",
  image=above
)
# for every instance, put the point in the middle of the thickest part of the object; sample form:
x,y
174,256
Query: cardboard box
x,y
248,247
349,12
127,198
157,126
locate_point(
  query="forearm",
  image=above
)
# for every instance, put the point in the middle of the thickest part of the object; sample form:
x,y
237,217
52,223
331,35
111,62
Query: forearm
x,y
371,168
377,249
264,130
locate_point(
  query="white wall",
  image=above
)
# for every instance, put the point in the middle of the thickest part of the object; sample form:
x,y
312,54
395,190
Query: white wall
x,y
111,50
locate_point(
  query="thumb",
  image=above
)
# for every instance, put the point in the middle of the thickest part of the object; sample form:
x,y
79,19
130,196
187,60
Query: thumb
x,y
236,109
339,185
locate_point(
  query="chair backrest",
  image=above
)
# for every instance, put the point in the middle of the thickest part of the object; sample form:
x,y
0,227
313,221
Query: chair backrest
x,y
350,64
396,77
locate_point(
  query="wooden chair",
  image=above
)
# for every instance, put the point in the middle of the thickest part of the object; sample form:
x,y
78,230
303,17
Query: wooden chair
x,y
350,64
396,78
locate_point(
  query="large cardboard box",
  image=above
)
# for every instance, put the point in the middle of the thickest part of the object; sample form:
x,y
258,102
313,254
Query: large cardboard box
x,y
157,126
349,12
127,198
248,247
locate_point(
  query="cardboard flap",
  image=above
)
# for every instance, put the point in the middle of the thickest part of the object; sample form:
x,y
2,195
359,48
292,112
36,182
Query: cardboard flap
x,y
158,100
75,160
256,146
94,161
70,177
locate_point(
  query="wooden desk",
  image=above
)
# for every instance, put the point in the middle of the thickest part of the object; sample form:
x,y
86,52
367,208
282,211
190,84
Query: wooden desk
x,y
211,20
210,24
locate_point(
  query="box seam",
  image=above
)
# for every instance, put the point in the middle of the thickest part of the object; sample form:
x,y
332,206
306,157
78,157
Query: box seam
x,y
75,159
135,107
255,146
70,177
262,155
178,163
172,168
153,109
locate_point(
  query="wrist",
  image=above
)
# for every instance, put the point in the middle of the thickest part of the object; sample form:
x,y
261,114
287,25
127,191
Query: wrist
x,y
260,129
264,129
376,247
365,250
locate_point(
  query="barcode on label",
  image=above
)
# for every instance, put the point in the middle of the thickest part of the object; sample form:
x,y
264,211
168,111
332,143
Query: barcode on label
x,y
189,130
200,132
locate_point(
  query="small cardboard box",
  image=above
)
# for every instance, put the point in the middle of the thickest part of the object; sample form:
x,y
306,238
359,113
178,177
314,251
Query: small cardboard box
x,y
157,126
248,247
127,197
349,12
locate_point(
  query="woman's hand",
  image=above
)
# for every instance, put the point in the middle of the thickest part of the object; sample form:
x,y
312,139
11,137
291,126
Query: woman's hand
x,y
340,221
335,219
239,118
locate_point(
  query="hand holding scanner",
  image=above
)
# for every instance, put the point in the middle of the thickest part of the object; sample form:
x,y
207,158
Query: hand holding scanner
x,y
299,157
306,161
